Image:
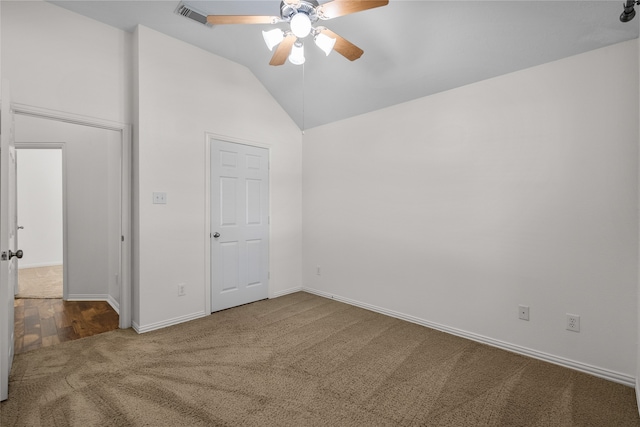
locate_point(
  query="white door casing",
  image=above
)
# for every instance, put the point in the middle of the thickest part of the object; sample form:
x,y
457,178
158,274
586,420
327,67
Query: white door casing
x,y
8,218
239,212
14,219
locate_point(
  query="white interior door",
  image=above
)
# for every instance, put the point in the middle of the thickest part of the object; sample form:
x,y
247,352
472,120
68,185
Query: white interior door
x,y
239,224
8,228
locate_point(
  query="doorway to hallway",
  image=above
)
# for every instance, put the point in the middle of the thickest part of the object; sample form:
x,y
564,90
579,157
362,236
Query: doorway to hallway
x,y
41,220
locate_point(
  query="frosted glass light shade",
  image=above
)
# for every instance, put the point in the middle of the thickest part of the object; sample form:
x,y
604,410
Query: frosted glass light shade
x,y
296,56
273,37
325,43
301,25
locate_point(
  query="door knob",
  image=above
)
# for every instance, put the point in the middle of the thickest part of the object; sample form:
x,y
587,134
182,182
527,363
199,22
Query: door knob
x,y
216,235
11,254
20,227
17,254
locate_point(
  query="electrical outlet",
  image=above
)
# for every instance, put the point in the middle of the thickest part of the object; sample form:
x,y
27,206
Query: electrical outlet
x,y
182,289
159,198
318,270
573,322
523,312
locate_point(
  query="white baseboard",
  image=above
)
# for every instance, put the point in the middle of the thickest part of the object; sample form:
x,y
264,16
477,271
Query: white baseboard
x,y
88,297
638,394
96,297
114,304
170,322
141,329
38,265
286,292
557,360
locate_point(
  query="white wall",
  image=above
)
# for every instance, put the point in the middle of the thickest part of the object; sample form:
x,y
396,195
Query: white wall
x,y
39,180
181,93
458,207
63,61
113,210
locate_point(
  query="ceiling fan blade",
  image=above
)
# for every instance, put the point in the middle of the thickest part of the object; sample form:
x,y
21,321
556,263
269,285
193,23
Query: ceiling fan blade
x,y
282,51
241,19
336,8
343,46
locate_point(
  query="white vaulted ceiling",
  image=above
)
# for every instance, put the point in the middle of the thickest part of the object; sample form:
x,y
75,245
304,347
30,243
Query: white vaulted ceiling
x,y
412,48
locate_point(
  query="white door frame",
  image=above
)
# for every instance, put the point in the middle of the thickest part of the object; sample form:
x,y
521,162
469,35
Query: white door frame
x,y
56,146
7,228
207,194
125,192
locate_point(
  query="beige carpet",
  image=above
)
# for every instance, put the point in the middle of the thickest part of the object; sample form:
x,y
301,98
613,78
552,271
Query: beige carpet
x,y
301,360
40,282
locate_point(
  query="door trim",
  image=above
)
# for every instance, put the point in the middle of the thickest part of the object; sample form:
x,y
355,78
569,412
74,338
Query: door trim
x,y
56,146
7,283
207,195
126,296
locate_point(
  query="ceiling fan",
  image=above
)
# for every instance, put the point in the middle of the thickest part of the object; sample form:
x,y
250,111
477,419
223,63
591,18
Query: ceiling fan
x,y
302,15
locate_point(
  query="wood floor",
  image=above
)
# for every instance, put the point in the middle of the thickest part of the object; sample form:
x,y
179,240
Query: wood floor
x,y
44,322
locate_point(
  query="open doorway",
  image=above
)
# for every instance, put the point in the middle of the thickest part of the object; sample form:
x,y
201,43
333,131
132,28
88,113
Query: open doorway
x,y
90,244
46,313
40,197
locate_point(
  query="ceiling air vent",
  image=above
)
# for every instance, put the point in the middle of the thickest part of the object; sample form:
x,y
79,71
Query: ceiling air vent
x,y
189,12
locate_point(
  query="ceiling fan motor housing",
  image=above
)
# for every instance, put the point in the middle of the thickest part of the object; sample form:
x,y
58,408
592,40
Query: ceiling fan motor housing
x,y
308,7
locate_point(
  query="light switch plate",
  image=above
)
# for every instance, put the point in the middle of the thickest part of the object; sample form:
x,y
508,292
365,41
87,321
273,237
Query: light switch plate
x,y
159,198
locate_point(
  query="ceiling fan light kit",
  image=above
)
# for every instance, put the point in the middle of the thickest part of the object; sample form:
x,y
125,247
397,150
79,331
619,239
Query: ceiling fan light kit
x,y
296,56
273,37
324,42
301,16
300,25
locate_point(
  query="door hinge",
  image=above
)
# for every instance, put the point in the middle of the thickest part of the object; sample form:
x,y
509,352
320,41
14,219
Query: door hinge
x,y
122,238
